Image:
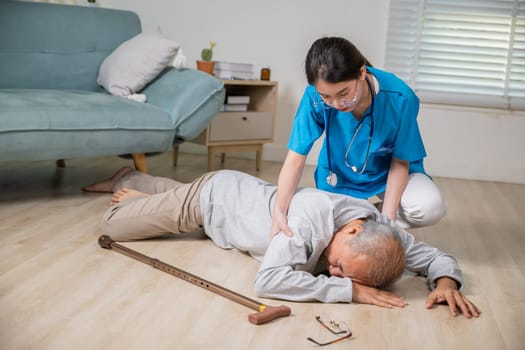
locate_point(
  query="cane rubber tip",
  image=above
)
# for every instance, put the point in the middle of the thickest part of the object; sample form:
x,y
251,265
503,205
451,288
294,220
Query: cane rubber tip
x,y
269,314
104,241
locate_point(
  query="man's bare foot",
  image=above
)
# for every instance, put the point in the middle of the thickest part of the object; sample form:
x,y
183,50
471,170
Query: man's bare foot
x,y
126,193
107,185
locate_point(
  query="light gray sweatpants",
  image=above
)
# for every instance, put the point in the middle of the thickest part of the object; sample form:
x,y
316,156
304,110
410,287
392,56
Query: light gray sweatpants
x,y
422,203
170,207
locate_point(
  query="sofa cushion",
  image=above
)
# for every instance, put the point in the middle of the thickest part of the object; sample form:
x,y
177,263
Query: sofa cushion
x,y
53,124
27,109
198,99
135,63
53,46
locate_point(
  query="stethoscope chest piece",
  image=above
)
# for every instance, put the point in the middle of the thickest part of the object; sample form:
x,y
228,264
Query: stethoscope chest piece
x,y
331,179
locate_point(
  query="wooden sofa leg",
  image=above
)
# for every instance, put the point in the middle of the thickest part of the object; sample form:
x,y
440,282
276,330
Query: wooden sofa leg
x,y
60,163
175,154
139,160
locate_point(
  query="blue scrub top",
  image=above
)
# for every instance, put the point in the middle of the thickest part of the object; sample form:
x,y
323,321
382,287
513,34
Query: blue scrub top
x,y
396,134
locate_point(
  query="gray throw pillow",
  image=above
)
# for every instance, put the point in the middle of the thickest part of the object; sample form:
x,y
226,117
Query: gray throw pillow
x,y
135,63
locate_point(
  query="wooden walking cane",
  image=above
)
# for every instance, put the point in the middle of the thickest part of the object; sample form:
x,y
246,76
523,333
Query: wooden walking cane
x,y
264,313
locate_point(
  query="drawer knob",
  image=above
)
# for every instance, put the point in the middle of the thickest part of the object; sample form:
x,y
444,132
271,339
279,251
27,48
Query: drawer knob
x,y
244,118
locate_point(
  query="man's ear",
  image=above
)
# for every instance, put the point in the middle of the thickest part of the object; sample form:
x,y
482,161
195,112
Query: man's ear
x,y
352,228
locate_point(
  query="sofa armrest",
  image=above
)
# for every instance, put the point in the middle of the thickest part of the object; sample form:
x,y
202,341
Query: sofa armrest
x,y
190,97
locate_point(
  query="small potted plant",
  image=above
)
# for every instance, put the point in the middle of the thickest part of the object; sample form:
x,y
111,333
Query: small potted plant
x,y
206,64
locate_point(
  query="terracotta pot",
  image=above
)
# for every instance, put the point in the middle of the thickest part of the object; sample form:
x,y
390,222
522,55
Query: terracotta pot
x,y
206,66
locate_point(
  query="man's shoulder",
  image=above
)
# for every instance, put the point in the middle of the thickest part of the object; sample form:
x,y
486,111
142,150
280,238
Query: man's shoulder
x,y
312,193
237,177
308,198
332,197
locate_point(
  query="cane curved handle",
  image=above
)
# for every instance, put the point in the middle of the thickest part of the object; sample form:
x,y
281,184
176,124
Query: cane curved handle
x,y
269,313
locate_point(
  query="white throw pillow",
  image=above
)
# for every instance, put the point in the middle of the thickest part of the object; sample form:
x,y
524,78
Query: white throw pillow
x,y
135,63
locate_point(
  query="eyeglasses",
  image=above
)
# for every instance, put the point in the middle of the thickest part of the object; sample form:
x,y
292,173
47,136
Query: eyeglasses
x,y
349,148
324,103
334,328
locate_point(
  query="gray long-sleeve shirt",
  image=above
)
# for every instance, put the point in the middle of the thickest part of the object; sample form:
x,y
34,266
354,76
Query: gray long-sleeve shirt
x,y
236,212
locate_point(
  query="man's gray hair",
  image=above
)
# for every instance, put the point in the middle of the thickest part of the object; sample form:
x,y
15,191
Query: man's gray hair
x,y
382,244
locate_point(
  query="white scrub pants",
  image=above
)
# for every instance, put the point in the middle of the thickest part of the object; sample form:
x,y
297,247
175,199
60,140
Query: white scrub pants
x,y
422,203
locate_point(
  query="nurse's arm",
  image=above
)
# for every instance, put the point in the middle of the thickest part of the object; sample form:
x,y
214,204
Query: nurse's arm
x,y
395,185
289,177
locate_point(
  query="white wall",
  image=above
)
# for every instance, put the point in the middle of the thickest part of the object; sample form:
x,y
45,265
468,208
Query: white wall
x,y
474,143
461,142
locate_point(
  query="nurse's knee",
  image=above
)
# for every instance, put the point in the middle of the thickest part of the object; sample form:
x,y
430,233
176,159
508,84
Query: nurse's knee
x,y
423,206
425,213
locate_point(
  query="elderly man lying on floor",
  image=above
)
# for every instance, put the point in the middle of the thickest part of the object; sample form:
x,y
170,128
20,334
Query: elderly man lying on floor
x,y
360,248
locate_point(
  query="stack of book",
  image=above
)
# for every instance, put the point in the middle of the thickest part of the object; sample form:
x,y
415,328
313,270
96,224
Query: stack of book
x,y
229,70
236,104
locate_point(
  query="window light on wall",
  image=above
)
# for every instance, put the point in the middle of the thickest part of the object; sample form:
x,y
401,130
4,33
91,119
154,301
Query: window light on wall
x,y
463,52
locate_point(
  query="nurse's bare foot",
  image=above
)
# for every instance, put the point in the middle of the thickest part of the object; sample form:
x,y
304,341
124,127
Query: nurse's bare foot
x,y
107,185
126,193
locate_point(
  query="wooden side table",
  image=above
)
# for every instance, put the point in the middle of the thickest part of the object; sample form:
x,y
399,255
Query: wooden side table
x,y
241,131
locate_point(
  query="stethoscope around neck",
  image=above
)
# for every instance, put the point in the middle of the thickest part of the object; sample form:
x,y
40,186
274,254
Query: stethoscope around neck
x,y
331,179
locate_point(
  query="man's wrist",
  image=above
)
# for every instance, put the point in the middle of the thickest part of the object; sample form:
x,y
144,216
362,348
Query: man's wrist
x,y
446,281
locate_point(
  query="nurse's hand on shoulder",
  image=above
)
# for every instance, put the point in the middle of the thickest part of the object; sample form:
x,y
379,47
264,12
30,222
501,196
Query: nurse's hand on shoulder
x,y
279,224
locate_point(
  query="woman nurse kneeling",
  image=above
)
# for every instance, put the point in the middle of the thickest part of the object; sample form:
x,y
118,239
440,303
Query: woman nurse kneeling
x,y
372,144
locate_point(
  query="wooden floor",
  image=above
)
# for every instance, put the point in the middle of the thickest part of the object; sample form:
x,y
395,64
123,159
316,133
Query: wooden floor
x,y
59,290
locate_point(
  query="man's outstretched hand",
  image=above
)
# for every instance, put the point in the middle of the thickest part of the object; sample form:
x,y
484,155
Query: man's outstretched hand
x,y
447,292
373,296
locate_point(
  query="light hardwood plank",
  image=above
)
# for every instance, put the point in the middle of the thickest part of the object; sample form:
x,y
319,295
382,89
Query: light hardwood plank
x,y
59,290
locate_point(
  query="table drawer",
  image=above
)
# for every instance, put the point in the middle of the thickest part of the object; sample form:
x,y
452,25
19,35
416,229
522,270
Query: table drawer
x,y
232,126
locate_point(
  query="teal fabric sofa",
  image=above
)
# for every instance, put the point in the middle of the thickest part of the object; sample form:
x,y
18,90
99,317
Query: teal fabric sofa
x,y
51,107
